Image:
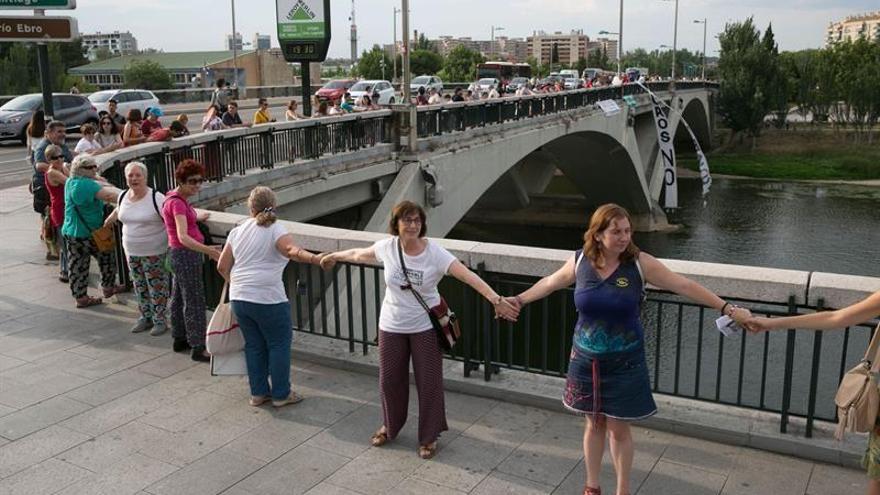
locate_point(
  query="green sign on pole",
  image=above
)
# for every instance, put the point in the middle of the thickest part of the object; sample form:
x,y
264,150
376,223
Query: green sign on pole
x,y
37,4
301,19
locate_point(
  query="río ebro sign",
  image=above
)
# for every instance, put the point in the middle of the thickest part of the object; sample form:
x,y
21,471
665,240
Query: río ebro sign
x,y
37,29
37,4
303,29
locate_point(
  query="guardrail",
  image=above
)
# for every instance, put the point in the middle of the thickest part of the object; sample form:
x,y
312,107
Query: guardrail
x,y
790,373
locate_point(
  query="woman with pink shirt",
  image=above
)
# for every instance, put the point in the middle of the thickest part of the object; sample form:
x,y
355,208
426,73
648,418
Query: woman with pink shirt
x,y
186,249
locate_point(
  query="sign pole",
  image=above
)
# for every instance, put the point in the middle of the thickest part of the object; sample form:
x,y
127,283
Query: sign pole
x,y
45,76
306,88
304,36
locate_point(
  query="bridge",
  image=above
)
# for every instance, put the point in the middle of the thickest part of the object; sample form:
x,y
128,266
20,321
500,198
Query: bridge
x,y
489,153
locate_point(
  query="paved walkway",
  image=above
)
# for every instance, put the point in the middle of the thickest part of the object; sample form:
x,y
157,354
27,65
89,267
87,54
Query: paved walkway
x,y
88,408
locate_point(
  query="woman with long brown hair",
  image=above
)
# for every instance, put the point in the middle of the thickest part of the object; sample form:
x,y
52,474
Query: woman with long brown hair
x,y
608,378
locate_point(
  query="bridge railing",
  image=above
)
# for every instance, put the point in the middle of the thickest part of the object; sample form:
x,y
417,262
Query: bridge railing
x,y
435,120
789,373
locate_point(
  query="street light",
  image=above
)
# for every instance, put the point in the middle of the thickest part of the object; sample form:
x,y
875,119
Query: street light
x,y
394,48
492,44
704,23
674,37
234,50
618,41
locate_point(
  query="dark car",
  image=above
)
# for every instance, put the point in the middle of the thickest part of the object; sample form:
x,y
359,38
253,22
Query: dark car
x,y
73,110
516,83
334,90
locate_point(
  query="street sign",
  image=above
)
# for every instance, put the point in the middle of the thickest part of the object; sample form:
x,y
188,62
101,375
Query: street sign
x,y
37,4
303,29
37,29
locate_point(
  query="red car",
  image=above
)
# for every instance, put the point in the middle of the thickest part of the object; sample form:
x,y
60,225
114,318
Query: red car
x,y
335,89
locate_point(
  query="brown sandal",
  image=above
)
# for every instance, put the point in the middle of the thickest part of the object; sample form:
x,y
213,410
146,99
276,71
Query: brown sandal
x,y
588,490
86,301
427,451
379,438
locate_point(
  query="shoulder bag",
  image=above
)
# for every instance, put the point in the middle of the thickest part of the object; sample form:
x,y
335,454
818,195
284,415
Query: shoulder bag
x,y
858,399
443,319
103,236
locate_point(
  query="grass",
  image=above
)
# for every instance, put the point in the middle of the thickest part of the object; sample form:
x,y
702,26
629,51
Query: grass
x,y
844,163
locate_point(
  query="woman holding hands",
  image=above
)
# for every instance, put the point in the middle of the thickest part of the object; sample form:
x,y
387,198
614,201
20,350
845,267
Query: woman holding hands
x,y
405,329
608,378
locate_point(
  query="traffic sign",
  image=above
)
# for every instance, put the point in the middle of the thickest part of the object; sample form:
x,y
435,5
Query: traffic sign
x,y
303,29
37,29
37,4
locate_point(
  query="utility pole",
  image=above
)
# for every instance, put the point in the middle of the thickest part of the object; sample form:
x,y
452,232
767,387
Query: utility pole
x,y
354,37
45,78
234,50
620,39
704,22
394,47
406,76
674,40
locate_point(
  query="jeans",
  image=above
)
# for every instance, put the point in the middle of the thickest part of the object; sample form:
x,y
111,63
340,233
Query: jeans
x,y
267,330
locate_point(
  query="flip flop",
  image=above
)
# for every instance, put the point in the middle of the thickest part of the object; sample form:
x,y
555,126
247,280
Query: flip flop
x,y
85,302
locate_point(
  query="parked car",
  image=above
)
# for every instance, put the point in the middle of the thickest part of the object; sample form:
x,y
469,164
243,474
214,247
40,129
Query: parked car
x,y
384,89
73,110
516,83
487,83
426,82
126,99
334,90
570,81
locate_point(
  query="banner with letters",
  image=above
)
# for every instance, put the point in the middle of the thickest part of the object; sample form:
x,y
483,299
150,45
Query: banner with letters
x,y
665,138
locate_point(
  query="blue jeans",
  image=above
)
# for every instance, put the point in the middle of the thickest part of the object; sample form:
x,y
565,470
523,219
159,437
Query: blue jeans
x,y
267,330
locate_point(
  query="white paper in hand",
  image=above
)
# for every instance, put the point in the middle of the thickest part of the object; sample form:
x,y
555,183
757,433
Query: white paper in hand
x,y
727,326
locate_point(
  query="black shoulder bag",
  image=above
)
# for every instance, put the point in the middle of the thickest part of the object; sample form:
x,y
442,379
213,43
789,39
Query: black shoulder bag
x,y
443,320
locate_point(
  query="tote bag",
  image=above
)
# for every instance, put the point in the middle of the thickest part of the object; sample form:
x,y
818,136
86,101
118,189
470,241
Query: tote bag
x,y
223,335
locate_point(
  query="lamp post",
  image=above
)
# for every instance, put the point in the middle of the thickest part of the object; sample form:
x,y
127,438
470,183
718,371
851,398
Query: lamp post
x,y
674,37
492,44
704,22
618,45
234,50
394,47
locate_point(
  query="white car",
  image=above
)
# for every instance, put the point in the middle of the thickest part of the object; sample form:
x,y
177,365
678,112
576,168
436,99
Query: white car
x,y
384,89
126,99
570,81
427,82
486,84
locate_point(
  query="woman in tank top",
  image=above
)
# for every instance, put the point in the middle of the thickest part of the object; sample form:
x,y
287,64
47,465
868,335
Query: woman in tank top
x,y
608,379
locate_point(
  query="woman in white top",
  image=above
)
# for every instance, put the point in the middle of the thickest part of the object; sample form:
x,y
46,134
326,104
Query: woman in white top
x,y
146,244
253,262
108,135
405,329
291,115
88,143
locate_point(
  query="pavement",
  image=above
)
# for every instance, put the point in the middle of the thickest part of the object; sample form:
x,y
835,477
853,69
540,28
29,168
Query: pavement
x,y
88,408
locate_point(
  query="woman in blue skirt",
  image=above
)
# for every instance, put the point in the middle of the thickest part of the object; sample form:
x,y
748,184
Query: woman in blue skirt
x,y
608,378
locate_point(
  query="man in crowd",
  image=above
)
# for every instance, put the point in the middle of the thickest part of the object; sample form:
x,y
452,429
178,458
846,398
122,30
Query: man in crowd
x,y
458,95
231,118
55,134
118,119
220,97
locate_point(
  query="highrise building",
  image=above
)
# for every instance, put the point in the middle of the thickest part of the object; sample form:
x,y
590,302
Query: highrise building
x,y
261,42
568,48
239,42
854,27
116,43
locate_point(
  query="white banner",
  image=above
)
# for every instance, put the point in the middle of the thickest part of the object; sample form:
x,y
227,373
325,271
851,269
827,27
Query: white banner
x,y
665,138
705,177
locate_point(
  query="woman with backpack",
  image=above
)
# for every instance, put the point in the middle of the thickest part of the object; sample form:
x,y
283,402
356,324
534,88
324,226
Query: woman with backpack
x,y
146,245
859,312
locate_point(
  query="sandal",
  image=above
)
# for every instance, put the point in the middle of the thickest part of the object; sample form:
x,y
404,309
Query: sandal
x,y
258,400
112,291
379,438
427,451
592,491
86,301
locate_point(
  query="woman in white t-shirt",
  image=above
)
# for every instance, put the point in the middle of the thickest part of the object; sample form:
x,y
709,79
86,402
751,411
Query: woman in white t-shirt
x,y
88,143
253,262
146,244
404,326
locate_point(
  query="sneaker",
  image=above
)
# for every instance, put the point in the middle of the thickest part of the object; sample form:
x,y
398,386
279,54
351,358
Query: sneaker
x,y
293,398
52,257
158,329
142,325
181,345
200,354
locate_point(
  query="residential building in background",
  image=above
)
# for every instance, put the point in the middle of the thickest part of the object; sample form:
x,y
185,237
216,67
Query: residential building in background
x,y
504,48
607,44
116,43
196,69
569,47
239,42
853,27
262,42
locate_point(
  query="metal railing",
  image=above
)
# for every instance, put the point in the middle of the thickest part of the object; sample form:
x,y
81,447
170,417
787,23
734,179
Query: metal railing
x,y
435,120
791,373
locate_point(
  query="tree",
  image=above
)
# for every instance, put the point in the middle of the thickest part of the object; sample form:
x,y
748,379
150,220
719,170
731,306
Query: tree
x,y
580,65
103,53
777,84
422,43
461,64
146,74
746,81
598,59
370,64
425,62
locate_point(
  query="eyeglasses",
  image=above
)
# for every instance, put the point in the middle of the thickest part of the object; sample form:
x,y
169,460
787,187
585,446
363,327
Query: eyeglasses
x,y
53,157
411,221
89,167
195,181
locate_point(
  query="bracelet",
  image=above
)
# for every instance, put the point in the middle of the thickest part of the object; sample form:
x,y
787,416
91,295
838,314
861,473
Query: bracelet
x,y
519,300
497,300
726,304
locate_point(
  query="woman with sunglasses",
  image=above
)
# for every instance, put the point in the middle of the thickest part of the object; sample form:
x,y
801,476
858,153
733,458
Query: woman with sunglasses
x,y
84,196
188,322
108,135
56,177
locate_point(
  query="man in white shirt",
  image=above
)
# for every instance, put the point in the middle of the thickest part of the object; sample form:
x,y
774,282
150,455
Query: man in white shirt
x,y
435,98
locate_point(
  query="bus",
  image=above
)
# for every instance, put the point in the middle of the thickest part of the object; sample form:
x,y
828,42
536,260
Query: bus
x,y
503,71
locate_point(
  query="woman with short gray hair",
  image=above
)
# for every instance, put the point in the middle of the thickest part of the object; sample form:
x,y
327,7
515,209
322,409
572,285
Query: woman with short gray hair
x,y
145,241
84,196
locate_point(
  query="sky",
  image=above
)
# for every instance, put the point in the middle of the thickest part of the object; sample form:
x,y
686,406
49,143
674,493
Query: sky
x,y
196,25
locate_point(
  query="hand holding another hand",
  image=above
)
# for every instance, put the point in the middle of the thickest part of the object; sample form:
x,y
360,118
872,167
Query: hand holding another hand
x,y
327,261
506,310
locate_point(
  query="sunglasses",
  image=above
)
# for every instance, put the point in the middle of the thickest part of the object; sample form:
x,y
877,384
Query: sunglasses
x,y
194,181
106,122
89,167
53,157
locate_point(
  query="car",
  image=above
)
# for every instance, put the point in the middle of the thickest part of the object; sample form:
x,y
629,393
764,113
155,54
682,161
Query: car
x,y
73,110
569,81
334,90
426,82
486,84
372,87
126,99
516,83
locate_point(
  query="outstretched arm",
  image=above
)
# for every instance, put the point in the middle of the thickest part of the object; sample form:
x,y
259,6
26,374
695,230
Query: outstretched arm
x,y
559,279
356,255
859,312
503,308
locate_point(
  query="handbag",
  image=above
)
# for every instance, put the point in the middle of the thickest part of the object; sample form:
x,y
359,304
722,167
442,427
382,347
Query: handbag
x,y
443,319
103,236
857,398
223,335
